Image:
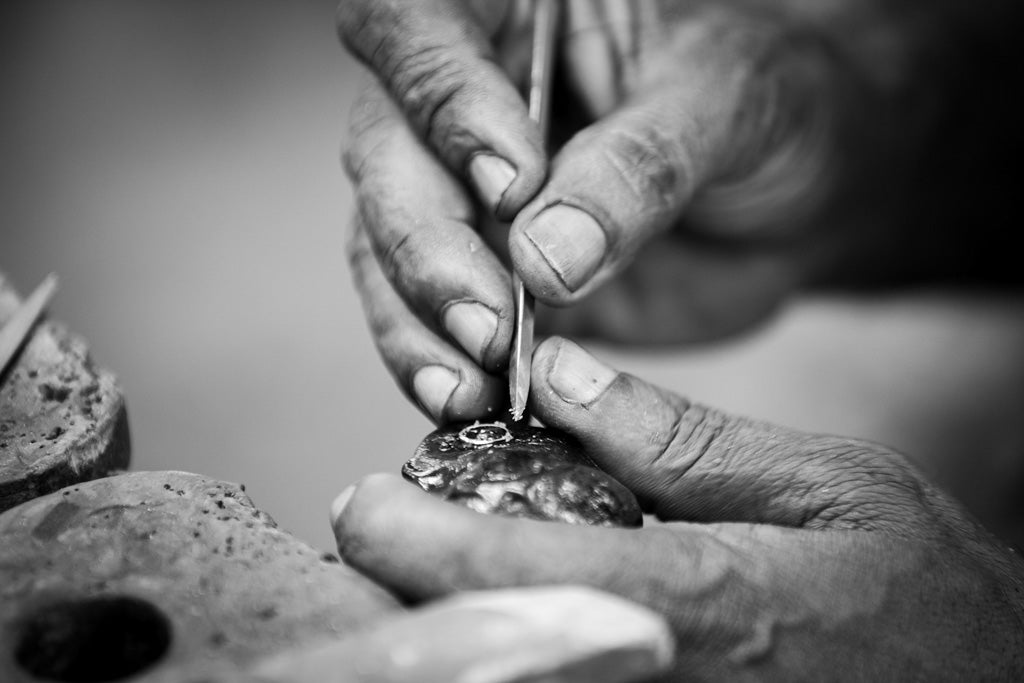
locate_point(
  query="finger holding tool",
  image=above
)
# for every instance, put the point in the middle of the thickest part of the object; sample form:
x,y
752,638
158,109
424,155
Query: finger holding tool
x,y
545,25
515,469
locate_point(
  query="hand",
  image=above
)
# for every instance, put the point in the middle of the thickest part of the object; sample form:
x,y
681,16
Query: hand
x,y
716,155
782,556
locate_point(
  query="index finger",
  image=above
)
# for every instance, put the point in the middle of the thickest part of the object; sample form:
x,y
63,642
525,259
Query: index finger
x,y
436,60
717,584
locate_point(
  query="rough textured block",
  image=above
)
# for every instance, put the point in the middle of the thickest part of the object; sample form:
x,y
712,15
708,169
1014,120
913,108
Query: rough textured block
x,y
62,420
163,576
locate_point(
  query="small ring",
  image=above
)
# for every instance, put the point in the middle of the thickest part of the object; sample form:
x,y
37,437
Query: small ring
x,y
485,433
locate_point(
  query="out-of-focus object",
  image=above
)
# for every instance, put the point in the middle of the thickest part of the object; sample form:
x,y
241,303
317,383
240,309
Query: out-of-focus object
x,y
568,634
62,420
522,471
16,329
545,23
163,577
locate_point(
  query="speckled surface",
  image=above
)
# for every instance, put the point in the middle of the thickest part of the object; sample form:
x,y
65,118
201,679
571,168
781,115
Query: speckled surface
x,y
194,551
62,419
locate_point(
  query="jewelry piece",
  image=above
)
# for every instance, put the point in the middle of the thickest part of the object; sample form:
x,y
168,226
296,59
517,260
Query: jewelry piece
x,y
485,433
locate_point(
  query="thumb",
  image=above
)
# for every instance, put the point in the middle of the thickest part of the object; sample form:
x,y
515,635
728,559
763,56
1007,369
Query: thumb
x,y
720,126
686,461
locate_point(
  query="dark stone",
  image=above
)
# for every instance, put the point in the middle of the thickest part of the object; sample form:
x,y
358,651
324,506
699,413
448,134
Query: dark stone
x,y
514,469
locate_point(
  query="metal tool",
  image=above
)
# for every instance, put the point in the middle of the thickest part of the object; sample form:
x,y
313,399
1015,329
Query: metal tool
x,y
545,23
17,328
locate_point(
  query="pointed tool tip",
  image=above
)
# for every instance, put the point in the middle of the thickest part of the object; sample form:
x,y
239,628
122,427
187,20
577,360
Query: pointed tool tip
x,y
40,297
50,282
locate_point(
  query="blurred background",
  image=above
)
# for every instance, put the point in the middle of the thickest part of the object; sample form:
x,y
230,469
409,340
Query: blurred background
x,y
175,162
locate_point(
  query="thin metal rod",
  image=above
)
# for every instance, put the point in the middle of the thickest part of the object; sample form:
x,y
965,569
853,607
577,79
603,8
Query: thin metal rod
x,y
17,328
541,62
545,24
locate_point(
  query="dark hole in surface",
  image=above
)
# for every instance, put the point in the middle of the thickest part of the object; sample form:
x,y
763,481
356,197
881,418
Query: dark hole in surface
x,y
92,640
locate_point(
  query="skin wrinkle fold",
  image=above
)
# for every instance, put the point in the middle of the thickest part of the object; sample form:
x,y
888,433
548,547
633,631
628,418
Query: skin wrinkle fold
x,y
368,17
668,444
392,256
452,198
451,131
403,258
369,114
658,193
703,429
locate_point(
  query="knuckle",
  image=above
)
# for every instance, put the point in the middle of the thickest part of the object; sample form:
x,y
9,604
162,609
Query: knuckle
x,y
392,339
697,435
419,62
359,23
385,229
410,263
400,257
416,259
431,84
863,486
656,169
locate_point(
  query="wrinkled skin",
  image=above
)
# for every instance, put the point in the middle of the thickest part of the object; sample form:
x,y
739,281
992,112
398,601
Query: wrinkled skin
x,y
709,158
782,555
523,471
728,153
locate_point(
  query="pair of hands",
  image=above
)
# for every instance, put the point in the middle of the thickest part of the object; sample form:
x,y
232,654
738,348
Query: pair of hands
x,y
780,555
711,157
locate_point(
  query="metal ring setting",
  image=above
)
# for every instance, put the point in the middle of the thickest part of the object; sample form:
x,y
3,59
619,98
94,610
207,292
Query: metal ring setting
x,y
485,433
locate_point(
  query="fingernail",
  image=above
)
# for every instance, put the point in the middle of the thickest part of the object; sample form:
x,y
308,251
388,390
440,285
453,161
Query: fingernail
x,y
571,241
433,386
472,325
338,506
578,377
491,175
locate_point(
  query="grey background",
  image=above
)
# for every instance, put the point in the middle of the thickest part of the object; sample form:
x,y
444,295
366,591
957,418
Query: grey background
x,y
176,163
